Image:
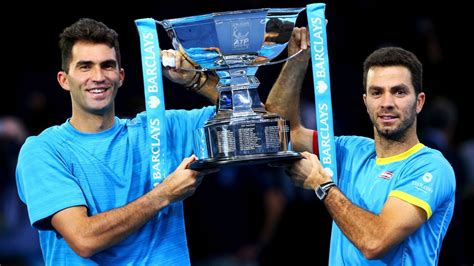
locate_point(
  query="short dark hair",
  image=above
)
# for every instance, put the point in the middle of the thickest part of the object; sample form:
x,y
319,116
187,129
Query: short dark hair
x,y
284,29
87,30
396,56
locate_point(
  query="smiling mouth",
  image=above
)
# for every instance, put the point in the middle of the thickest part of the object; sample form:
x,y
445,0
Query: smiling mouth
x,y
97,91
387,120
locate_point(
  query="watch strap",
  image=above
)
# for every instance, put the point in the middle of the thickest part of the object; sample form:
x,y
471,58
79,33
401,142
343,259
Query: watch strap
x,y
323,189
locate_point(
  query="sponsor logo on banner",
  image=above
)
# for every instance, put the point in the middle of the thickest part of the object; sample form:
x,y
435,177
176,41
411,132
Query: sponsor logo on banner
x,y
322,87
153,101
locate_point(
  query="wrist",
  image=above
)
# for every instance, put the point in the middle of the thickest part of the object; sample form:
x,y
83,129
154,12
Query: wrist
x,y
198,81
209,88
161,196
323,189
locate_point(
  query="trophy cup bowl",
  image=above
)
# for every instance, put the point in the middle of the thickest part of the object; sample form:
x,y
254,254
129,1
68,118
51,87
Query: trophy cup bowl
x,y
234,45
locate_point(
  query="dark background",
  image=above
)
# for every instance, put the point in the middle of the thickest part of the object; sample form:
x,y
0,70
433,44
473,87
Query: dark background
x,y
436,32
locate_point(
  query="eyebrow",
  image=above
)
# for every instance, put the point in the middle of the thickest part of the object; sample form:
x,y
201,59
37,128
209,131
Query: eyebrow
x,y
106,62
109,62
399,86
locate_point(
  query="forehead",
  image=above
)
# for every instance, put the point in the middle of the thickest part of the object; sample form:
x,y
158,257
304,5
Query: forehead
x,y
387,77
94,52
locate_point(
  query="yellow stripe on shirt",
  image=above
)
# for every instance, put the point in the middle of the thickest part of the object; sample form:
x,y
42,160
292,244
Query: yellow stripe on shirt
x,y
401,156
412,200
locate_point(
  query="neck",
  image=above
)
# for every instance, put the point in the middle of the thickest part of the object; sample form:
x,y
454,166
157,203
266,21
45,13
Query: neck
x,y
387,147
92,123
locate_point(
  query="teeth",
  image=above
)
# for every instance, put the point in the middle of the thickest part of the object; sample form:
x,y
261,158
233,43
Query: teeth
x,y
97,90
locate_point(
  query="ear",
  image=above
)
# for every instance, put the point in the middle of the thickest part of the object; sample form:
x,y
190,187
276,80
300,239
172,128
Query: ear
x,y
122,76
364,97
420,101
63,81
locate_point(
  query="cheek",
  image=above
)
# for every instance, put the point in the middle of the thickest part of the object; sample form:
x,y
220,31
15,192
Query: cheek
x,y
369,106
77,80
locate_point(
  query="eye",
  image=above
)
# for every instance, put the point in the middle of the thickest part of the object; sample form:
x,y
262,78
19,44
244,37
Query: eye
x,y
401,92
109,65
375,93
84,67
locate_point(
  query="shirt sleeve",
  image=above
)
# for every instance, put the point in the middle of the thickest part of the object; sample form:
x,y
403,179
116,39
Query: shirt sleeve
x,y
426,183
315,142
45,182
182,123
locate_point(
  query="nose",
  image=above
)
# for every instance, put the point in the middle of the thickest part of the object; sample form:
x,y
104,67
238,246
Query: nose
x,y
97,74
387,101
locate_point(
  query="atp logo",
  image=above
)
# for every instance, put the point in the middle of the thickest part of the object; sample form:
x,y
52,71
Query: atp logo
x,y
322,87
153,102
240,35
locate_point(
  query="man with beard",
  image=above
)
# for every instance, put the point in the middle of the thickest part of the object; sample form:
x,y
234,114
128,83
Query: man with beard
x,y
393,198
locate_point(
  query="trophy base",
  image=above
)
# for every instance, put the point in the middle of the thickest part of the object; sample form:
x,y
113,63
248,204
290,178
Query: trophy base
x,y
280,157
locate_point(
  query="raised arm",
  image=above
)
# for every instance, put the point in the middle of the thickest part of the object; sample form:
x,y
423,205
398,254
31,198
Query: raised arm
x,y
284,96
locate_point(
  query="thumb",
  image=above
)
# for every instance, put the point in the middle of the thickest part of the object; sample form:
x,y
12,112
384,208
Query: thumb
x,y
186,161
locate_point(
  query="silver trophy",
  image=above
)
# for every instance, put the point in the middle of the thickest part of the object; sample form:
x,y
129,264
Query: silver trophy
x,y
233,45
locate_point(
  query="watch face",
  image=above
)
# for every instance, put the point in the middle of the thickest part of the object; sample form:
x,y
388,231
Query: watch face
x,y
320,193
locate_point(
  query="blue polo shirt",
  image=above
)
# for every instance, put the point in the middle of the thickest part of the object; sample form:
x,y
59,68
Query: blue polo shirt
x,y
420,176
63,167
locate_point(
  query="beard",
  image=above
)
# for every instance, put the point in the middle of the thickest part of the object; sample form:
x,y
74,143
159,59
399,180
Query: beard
x,y
399,133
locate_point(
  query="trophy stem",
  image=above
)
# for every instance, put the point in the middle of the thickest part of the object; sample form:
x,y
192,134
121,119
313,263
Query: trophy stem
x,y
238,95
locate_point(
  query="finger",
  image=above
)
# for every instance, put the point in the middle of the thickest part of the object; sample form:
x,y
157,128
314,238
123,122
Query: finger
x,y
305,154
178,60
313,158
296,34
167,59
186,162
304,38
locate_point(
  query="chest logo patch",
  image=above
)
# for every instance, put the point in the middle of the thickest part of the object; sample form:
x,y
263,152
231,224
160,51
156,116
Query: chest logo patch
x,y
386,175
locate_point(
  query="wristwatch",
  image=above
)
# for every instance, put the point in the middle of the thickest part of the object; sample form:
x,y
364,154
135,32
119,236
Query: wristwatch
x,y
323,189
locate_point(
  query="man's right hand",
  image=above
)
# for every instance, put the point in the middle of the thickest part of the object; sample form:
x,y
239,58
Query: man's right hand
x,y
174,69
183,182
174,63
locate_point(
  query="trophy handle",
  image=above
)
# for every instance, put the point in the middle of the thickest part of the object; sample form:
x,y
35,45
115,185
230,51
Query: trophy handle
x,y
278,61
195,69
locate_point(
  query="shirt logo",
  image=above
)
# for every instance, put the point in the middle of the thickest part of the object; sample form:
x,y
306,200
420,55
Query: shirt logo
x,y
387,175
427,177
